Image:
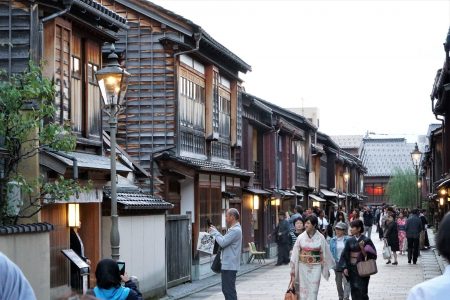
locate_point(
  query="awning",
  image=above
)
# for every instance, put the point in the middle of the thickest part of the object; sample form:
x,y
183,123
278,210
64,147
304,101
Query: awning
x,y
142,201
284,193
84,161
228,195
328,193
296,193
444,183
317,198
341,196
256,191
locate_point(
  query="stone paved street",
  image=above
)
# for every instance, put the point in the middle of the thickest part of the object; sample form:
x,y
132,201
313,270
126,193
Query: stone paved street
x,y
391,282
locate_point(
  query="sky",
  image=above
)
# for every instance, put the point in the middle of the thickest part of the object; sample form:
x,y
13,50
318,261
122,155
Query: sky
x,y
367,65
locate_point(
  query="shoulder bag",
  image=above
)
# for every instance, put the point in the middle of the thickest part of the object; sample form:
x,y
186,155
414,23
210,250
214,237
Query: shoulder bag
x,y
216,265
291,294
367,267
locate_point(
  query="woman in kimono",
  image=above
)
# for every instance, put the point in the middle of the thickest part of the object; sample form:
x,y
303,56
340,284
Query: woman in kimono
x,y
356,249
401,226
311,258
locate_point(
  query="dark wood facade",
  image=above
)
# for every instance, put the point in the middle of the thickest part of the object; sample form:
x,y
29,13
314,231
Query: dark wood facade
x,y
68,40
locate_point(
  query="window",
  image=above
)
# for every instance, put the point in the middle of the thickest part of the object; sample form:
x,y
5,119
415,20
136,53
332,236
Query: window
x,y
300,154
192,104
85,110
224,117
192,63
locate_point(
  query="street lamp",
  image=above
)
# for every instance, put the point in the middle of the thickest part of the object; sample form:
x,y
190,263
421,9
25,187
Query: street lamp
x,y
113,81
346,179
416,155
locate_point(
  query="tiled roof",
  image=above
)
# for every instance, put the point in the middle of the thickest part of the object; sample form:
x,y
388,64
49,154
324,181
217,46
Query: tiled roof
x,y
90,161
348,141
138,200
382,156
433,127
25,228
101,11
206,165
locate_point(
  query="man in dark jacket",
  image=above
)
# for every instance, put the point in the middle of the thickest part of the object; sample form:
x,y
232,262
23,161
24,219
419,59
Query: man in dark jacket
x,y
368,222
281,235
413,229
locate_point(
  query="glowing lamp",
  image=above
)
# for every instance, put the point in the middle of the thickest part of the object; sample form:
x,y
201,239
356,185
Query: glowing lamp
x,y
255,202
73,215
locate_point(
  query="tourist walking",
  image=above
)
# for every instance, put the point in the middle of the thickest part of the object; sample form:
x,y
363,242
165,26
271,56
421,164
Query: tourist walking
x,y
282,235
391,237
381,223
13,284
401,222
368,222
231,244
424,241
357,248
109,283
337,245
311,258
323,223
438,287
413,229
298,213
298,229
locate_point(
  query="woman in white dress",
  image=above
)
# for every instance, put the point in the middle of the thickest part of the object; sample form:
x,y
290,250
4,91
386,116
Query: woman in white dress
x,y
311,258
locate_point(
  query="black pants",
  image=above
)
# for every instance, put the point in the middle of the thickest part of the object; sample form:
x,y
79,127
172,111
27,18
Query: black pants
x,y
283,254
229,284
359,285
413,249
380,231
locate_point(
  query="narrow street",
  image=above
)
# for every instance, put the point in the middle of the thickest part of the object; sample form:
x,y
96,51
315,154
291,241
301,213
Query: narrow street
x,y
391,282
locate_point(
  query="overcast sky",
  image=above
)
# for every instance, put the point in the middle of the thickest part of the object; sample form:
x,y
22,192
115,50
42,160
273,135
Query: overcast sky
x,y
367,65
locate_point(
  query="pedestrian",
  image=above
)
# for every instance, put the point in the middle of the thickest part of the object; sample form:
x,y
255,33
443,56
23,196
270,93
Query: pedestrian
x,y
311,258
298,229
323,223
438,287
413,229
368,222
298,213
337,244
357,248
231,245
424,242
13,284
109,283
401,222
391,238
381,223
282,235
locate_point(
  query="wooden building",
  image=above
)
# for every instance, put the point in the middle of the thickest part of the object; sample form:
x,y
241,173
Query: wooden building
x,y
440,139
282,183
183,118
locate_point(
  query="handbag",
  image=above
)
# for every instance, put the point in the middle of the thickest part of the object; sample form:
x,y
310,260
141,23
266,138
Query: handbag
x,y
387,253
367,267
216,265
290,293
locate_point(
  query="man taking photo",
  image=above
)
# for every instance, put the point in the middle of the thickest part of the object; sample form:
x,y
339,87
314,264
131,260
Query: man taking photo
x,y
231,244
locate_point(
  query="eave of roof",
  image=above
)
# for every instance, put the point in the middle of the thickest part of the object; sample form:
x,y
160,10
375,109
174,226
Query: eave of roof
x,y
103,12
138,200
283,111
148,8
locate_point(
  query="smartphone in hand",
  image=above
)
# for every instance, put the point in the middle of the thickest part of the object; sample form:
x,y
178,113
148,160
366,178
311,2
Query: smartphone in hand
x,y
121,265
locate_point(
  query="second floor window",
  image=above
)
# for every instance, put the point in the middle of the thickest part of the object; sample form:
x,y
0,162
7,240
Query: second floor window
x,y
224,117
192,104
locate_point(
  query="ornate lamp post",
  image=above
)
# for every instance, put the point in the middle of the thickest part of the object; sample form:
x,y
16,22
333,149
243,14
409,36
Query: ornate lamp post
x,y
416,155
113,81
346,179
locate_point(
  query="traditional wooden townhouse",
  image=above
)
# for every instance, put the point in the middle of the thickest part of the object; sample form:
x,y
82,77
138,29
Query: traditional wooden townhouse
x,y
281,183
183,122
340,176
440,139
68,36
430,172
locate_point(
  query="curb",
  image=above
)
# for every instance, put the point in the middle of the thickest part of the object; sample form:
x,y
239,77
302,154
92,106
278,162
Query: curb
x,y
214,283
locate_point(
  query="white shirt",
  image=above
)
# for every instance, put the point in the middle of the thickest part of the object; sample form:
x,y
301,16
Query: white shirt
x,y
433,289
339,246
323,222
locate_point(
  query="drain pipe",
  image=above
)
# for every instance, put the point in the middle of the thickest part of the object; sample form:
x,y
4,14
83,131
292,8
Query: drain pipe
x,y
48,18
